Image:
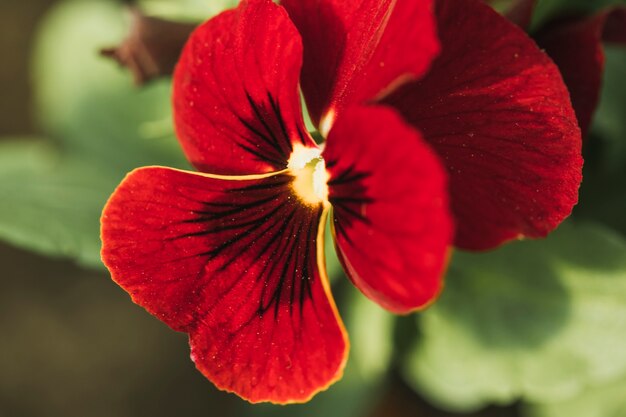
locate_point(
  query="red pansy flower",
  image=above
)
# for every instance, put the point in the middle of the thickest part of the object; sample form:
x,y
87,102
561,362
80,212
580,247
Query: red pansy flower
x,y
233,255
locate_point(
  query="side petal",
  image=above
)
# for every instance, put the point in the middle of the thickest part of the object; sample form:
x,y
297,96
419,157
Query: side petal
x,y
391,222
576,47
234,264
357,50
236,101
496,110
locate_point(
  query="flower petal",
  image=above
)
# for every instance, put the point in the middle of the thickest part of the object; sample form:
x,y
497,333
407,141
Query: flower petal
x,y
236,102
357,50
235,265
496,110
576,47
391,220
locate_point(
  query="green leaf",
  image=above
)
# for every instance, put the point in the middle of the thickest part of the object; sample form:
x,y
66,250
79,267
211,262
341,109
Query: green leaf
x,y
607,400
609,122
87,102
550,9
536,319
334,269
103,127
186,10
371,335
51,203
602,196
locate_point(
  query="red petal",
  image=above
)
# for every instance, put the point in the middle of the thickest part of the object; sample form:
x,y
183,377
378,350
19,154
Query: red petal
x,y
232,263
356,50
576,47
391,218
236,101
497,112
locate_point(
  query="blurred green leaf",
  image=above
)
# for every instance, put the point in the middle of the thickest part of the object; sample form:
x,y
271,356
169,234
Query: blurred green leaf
x,y
50,203
371,335
537,319
607,400
550,9
102,128
87,102
186,10
609,123
603,195
333,264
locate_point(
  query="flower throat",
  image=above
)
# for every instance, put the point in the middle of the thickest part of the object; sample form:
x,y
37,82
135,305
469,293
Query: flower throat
x,y
310,176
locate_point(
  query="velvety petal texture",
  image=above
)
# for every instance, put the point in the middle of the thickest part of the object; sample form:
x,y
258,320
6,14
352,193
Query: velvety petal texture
x,y
234,263
576,47
236,101
360,49
495,109
391,218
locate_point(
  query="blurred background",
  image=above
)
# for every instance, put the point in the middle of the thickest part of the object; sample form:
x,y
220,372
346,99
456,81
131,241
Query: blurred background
x,y
536,329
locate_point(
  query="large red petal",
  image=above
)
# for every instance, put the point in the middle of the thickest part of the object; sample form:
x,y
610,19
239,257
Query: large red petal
x,y
576,47
235,265
391,220
496,110
356,50
236,101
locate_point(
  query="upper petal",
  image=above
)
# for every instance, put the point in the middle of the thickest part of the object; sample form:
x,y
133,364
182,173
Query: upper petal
x,y
236,101
496,110
575,45
357,50
234,264
392,224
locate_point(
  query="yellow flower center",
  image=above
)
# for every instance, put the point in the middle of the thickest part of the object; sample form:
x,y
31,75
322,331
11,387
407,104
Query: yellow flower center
x,y
310,176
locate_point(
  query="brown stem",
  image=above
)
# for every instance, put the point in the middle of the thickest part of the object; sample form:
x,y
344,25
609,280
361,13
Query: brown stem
x,y
152,47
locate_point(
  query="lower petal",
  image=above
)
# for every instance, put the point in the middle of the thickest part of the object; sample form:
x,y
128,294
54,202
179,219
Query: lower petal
x,y
496,110
235,265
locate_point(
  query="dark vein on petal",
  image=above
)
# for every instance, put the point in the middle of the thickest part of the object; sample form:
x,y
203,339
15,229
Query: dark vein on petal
x,y
262,186
286,243
281,122
353,213
263,251
261,119
261,157
340,229
205,216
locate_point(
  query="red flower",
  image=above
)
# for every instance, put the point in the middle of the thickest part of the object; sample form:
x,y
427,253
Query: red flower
x,y
233,256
